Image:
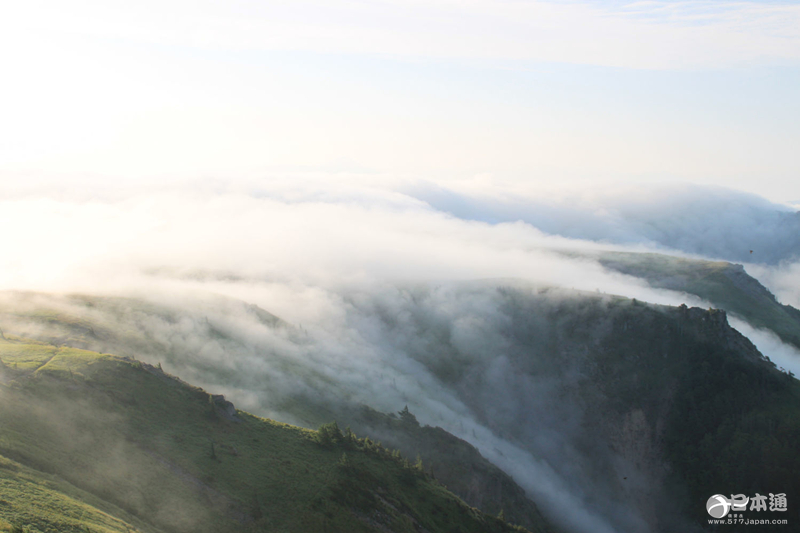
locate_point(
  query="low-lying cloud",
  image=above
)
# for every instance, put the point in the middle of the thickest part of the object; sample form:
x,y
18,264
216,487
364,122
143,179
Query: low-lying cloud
x,y
384,346
785,356
379,291
703,221
84,245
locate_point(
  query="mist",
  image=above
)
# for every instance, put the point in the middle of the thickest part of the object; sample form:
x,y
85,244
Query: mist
x,y
699,220
338,228
75,245
377,297
386,346
785,356
783,280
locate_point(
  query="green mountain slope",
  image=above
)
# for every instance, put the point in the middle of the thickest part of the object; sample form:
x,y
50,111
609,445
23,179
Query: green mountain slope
x,y
119,325
451,460
454,462
44,502
726,285
112,444
643,411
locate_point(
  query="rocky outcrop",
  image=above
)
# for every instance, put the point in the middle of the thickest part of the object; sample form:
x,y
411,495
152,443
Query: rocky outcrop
x,y
223,407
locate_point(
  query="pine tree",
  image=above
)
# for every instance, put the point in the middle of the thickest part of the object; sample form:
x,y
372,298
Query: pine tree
x,y
407,417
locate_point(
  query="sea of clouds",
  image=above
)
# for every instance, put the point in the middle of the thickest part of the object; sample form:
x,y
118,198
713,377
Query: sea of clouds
x,y
340,262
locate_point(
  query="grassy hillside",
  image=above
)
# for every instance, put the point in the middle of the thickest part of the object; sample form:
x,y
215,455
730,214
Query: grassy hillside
x,y
118,325
646,409
725,285
97,441
37,501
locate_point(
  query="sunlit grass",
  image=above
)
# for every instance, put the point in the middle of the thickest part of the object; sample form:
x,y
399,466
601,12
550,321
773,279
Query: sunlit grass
x,y
126,436
25,356
40,502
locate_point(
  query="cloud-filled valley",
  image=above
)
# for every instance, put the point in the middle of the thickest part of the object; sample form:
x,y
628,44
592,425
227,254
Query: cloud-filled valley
x,y
398,266
390,299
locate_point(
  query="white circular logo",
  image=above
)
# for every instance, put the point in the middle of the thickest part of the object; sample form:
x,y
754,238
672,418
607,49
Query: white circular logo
x,y
718,506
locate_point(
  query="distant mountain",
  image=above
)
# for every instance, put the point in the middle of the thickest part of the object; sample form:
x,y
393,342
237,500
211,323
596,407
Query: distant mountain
x,y
726,285
708,221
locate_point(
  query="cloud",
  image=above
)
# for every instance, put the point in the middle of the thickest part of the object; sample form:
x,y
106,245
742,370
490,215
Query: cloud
x,y
320,240
386,299
782,279
702,221
384,346
784,356
667,34
371,283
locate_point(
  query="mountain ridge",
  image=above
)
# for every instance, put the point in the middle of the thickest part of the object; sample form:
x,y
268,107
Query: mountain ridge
x,y
726,285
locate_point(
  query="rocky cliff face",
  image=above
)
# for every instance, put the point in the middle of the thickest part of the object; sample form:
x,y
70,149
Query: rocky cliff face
x,y
657,380
599,388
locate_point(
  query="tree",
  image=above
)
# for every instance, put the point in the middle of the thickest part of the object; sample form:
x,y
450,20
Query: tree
x,y
329,434
407,417
350,438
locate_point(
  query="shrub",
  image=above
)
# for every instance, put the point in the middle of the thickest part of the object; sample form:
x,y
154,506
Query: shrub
x,y
329,434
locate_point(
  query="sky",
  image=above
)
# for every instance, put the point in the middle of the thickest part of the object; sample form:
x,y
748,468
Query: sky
x,y
171,134
509,95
